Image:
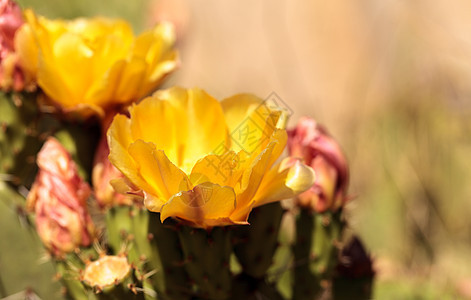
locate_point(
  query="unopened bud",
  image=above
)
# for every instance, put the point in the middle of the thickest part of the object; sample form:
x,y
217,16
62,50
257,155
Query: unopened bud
x,y
59,200
310,142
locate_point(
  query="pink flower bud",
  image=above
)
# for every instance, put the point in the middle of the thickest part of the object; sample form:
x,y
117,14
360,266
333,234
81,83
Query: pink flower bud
x,y
12,74
311,142
103,172
59,200
11,18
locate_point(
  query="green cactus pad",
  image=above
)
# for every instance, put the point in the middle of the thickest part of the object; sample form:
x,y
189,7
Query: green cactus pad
x,y
256,244
23,131
315,253
171,280
207,260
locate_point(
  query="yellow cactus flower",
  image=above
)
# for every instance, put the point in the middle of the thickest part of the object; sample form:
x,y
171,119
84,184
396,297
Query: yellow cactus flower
x,y
203,161
91,65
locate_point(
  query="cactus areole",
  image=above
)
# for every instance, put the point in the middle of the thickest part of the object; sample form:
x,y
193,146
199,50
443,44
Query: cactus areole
x,y
106,271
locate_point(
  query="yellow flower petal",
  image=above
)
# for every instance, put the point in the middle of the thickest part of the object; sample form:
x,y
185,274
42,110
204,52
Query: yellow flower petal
x,y
204,205
103,90
71,56
251,122
181,112
252,177
199,125
130,81
283,181
241,214
156,121
162,178
280,137
239,107
217,169
155,48
98,62
119,140
27,51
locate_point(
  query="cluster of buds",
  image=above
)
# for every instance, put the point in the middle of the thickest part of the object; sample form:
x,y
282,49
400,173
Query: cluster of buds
x,y
310,142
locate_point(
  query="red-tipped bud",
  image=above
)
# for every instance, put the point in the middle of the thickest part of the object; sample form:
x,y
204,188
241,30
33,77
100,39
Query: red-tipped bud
x,y
311,142
59,200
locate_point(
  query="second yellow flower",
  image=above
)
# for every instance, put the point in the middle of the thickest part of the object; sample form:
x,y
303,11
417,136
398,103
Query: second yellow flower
x,y
87,66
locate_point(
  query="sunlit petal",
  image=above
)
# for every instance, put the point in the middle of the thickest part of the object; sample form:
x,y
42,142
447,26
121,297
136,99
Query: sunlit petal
x,y
162,178
199,122
205,202
283,181
97,62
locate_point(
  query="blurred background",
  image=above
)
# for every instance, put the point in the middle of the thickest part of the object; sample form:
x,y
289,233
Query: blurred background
x,y
390,79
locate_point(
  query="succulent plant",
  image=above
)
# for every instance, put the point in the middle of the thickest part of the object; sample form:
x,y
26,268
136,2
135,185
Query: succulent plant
x,y
206,259
23,130
255,244
315,252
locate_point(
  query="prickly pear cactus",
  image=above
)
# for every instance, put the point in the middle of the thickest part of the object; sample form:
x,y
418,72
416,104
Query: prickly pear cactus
x,y
171,280
315,253
90,274
206,259
256,244
68,274
23,130
154,245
